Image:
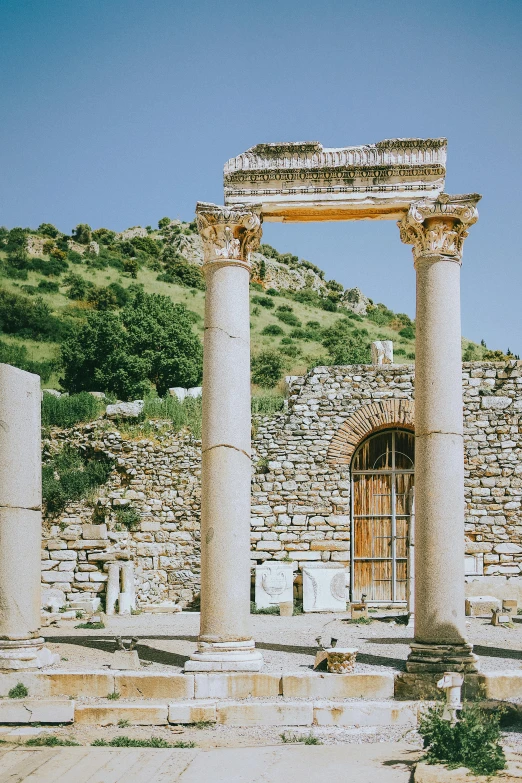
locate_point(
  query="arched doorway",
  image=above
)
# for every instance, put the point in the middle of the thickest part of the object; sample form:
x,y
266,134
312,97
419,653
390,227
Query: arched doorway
x,y
382,476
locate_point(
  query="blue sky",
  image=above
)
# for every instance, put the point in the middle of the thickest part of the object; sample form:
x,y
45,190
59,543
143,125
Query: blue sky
x,y
118,112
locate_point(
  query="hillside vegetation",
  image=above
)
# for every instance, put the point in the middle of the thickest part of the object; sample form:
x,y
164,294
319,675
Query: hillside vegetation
x,y
123,313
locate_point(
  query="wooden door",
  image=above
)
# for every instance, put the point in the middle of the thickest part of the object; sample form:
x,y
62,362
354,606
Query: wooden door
x,y
382,479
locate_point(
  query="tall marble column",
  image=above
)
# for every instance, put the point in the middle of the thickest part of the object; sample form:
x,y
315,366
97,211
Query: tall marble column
x,y
437,231
21,646
225,643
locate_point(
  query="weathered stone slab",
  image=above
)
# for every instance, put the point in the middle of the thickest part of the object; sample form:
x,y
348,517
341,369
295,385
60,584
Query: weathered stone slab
x,y
482,605
324,588
192,712
156,685
237,685
274,584
385,713
137,713
265,714
338,686
36,711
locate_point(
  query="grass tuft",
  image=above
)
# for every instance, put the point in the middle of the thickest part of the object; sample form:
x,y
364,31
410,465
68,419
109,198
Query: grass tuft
x,y
19,691
128,742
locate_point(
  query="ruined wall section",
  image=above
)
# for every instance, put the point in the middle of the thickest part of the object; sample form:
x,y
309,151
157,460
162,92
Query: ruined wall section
x,y
300,496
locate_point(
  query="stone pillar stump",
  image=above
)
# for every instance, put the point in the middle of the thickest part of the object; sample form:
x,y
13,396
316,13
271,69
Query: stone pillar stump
x,y
225,641
437,231
21,646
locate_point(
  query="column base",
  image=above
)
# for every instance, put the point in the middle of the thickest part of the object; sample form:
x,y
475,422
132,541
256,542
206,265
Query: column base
x,y
25,654
225,657
441,658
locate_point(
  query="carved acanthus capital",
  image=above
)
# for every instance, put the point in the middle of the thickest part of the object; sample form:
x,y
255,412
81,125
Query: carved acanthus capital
x,y
437,229
229,234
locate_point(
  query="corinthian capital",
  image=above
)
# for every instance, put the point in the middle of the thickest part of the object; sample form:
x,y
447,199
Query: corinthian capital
x,y
229,234
437,229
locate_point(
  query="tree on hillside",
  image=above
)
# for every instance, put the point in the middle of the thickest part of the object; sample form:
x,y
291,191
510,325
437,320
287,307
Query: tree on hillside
x,y
82,234
148,343
48,230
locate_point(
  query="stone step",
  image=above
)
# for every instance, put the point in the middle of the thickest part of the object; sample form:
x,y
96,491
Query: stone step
x,y
232,685
36,711
250,713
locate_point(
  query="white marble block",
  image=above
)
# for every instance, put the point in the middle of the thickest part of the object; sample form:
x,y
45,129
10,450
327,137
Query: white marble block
x,y
382,352
274,584
324,588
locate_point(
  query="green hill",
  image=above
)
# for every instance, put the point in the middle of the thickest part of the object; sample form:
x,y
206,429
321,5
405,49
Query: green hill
x,y
51,284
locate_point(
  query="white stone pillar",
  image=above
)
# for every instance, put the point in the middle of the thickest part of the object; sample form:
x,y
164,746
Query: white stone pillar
x,y
225,641
21,646
437,231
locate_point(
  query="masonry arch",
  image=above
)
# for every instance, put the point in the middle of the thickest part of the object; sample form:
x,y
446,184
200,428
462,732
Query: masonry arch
x,y
368,419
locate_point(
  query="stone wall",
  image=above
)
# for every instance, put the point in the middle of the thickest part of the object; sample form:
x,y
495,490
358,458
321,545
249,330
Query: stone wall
x,y
159,477
301,483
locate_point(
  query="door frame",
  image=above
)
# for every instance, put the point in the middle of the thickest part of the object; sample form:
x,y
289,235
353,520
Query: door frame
x,y
392,472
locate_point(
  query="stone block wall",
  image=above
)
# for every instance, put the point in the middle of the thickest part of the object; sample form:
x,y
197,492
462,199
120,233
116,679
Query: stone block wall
x,y
300,484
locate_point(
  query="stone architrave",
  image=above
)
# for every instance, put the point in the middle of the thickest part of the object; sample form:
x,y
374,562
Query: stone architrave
x,y
324,588
225,643
303,181
437,230
21,646
274,584
382,352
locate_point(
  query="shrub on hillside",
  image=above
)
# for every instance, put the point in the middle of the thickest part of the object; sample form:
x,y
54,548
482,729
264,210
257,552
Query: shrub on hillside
x,y
53,267
104,236
264,301
48,287
408,333
287,318
380,315
28,318
77,286
272,330
347,345
70,475
17,356
180,272
267,368
147,245
68,411
149,342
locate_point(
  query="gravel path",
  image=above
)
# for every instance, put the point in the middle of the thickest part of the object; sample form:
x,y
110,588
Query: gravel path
x,y
288,643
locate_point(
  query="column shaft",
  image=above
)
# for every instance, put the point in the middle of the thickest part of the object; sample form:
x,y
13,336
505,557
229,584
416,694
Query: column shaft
x,y
437,230
439,456
226,468
225,641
